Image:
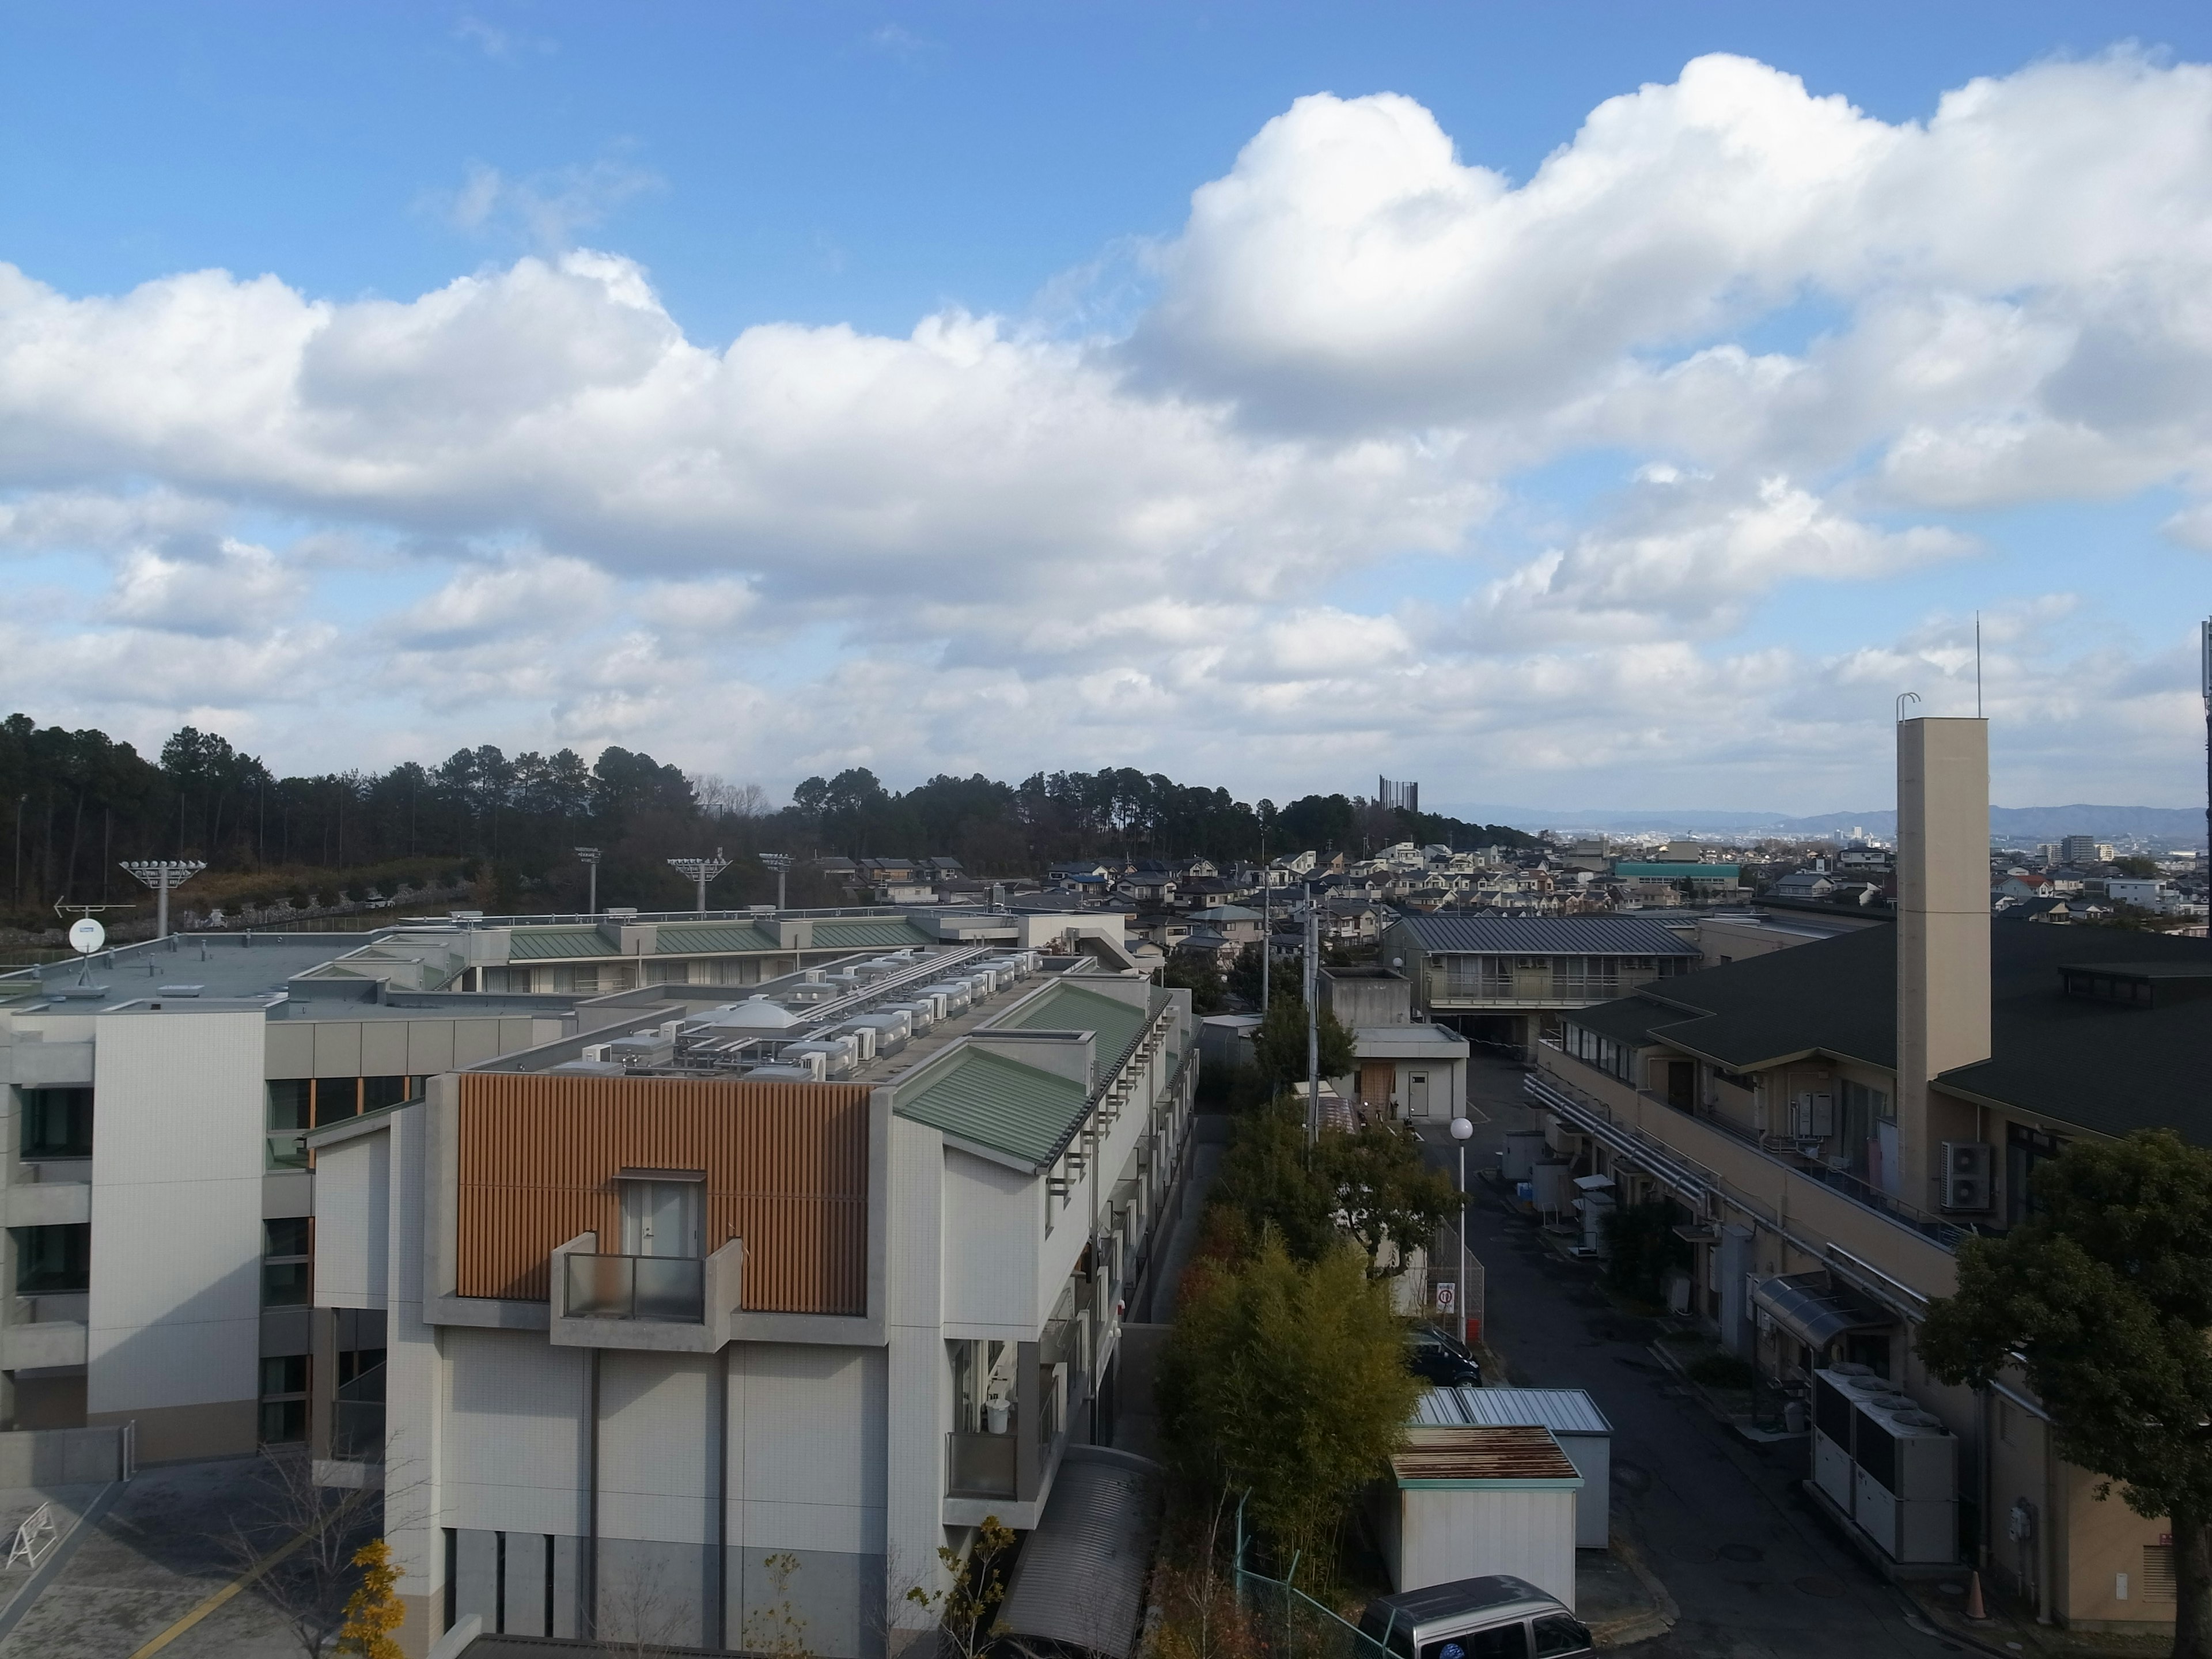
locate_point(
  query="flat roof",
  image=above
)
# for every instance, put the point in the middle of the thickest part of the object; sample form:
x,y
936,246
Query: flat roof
x,y
1544,936
224,966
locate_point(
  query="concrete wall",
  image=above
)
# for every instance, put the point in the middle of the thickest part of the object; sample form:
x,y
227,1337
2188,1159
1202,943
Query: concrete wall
x,y
993,1218
175,1322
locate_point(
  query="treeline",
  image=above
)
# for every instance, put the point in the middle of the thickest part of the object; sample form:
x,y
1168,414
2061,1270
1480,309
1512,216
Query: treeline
x,y
78,803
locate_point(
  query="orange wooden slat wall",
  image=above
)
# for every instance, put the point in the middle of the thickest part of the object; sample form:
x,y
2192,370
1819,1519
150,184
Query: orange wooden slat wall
x,y
786,1167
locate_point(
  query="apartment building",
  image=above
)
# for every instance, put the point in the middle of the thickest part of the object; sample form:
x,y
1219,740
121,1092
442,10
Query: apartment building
x,y
156,1199
1834,1117
726,1313
1505,981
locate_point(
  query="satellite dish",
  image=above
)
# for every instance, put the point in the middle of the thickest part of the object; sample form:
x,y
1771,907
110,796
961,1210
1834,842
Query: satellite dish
x,y
86,936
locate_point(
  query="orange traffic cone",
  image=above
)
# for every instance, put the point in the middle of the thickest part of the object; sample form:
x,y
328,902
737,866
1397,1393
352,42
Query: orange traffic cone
x,y
1974,1608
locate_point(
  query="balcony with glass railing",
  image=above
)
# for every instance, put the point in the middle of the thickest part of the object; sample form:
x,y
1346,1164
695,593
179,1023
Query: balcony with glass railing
x,y
676,1303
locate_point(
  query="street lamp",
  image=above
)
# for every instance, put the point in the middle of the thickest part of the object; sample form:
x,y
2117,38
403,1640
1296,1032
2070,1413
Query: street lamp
x,y
1462,1130
589,855
781,863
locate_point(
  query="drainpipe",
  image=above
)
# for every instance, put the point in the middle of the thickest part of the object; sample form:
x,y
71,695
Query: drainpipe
x,y
722,1503
592,1543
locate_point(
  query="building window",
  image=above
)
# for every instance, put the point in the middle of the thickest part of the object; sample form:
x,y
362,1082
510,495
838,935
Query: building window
x,y
2025,1148
667,973
52,1260
378,1092
285,1262
283,1399
335,1099
57,1123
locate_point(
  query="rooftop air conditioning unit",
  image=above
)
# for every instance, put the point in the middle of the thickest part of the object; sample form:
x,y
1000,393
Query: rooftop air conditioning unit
x,y
1966,1171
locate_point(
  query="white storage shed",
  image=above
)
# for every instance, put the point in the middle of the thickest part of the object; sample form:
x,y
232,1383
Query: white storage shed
x,y
1463,1503
1575,1422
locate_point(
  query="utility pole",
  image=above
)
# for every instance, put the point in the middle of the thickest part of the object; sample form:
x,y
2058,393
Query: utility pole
x,y
1313,1019
781,863
1266,919
164,876
589,855
2205,632
701,871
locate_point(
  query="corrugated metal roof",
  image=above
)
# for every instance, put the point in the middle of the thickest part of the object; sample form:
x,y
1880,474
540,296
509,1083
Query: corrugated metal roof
x,y
1000,1103
1068,1006
690,937
1684,872
1521,1455
1544,936
536,944
1562,1411
1081,1581
868,935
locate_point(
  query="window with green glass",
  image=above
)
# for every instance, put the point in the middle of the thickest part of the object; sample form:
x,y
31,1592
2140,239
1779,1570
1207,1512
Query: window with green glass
x,y
52,1260
286,1277
289,1106
57,1123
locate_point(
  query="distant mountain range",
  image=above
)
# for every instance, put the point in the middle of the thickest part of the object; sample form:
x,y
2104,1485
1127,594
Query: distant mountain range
x,y
2022,824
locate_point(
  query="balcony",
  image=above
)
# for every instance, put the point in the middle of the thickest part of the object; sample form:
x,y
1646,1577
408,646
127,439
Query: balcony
x,y
636,1287
671,1304
982,1464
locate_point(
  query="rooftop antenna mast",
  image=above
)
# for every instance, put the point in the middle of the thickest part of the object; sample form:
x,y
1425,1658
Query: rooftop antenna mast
x,y
1977,665
589,855
164,876
701,871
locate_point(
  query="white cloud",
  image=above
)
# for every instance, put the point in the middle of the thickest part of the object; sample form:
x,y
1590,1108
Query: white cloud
x,y
989,543
240,590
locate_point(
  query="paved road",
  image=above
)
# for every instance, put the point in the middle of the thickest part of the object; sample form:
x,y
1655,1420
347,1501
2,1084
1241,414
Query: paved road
x,y
1756,1574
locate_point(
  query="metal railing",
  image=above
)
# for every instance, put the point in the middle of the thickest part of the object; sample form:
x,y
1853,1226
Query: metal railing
x,y
664,1287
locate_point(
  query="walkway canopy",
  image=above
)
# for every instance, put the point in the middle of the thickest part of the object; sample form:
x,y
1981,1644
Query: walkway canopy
x,y
1078,1587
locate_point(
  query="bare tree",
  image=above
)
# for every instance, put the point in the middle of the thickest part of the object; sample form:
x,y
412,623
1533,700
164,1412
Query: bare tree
x,y
296,1539
777,1627
719,798
638,1613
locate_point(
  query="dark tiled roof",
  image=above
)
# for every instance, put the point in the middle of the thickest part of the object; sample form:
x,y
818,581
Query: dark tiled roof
x,y
1546,936
2105,1067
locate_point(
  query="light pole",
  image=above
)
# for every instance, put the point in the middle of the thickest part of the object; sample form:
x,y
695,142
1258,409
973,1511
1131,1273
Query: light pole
x,y
589,855
164,876
701,871
781,863
1313,1020
1461,1130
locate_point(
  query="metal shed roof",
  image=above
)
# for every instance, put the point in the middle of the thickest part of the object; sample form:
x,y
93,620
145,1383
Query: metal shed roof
x,y
1081,1581
1544,936
1562,1411
1524,1456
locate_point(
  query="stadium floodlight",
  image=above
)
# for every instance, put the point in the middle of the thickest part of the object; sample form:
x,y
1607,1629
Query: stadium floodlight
x,y
781,863
591,857
164,876
701,871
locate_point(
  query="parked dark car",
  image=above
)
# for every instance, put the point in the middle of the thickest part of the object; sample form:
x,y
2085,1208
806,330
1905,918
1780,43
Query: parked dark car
x,y
1441,1360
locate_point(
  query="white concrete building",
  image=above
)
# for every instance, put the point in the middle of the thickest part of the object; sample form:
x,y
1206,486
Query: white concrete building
x,y
735,1313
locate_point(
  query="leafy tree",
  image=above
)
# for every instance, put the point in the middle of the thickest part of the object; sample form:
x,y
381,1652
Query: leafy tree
x,y
1280,1044
1286,1379
373,1611
2142,869
1268,1180
1642,1247
1386,1194
1252,966
2105,1294
1198,976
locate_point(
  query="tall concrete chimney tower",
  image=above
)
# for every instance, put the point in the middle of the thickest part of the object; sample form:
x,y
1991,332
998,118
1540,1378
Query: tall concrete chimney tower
x,y
1942,926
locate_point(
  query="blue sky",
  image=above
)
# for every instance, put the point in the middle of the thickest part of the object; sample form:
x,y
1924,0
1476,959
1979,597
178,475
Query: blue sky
x,y
1622,499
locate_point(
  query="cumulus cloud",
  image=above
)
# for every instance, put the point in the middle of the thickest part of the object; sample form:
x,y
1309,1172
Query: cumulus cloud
x,y
995,542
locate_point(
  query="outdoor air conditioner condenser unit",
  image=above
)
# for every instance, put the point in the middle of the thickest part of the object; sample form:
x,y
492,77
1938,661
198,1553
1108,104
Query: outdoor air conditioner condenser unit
x,y
1966,1170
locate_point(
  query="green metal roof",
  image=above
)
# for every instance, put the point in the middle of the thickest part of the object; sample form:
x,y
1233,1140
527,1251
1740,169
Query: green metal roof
x,y
536,944
1684,872
1070,1007
990,1101
690,937
868,935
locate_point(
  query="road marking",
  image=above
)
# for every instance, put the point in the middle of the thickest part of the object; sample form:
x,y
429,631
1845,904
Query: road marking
x,y
244,1582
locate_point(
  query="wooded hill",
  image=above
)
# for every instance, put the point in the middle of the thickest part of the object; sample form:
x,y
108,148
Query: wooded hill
x,y
75,804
